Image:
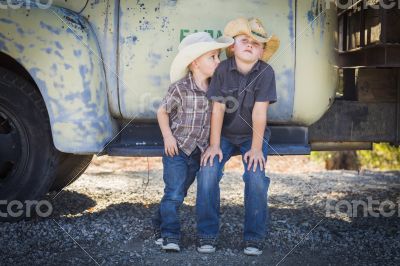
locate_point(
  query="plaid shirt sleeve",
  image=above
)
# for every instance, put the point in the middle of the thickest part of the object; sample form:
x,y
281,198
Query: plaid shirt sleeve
x,y
172,99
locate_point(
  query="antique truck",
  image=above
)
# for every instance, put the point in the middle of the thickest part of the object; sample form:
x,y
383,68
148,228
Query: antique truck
x,y
84,78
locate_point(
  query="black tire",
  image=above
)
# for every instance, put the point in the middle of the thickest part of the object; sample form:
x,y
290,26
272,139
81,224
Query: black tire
x,y
70,168
27,155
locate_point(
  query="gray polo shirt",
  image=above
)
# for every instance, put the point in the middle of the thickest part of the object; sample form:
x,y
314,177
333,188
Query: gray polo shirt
x,y
239,92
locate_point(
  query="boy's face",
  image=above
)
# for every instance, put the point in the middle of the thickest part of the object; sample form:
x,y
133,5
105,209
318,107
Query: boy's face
x,y
207,63
247,49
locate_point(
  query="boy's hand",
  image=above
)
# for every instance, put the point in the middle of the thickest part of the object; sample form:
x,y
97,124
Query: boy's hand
x,y
170,146
210,153
253,157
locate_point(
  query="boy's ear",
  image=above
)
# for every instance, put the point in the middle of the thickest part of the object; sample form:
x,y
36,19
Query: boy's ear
x,y
192,65
231,49
261,53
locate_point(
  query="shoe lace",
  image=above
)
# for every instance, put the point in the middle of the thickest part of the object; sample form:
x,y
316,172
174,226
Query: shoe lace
x,y
254,244
206,241
171,240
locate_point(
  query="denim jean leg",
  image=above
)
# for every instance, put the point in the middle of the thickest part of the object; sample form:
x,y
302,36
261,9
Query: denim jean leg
x,y
255,202
175,179
193,168
156,219
208,193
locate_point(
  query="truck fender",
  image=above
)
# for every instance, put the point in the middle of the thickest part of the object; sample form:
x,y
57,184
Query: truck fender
x,y
60,51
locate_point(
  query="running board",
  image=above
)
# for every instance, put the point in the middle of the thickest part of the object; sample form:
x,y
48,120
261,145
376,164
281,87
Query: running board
x,y
145,140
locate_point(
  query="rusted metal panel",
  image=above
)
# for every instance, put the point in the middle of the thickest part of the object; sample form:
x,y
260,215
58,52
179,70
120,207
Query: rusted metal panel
x,y
353,121
340,146
377,85
59,50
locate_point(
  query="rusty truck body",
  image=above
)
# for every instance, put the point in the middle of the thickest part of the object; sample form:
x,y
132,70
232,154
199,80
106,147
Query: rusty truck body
x,y
79,78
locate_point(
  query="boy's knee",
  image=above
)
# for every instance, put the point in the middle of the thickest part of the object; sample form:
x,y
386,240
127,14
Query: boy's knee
x,y
258,177
210,170
175,196
215,162
208,177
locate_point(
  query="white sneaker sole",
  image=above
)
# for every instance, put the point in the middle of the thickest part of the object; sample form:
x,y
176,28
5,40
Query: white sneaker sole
x,y
252,251
171,247
159,241
206,249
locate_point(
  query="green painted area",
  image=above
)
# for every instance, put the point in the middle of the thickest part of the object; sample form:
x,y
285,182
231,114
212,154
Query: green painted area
x,y
186,32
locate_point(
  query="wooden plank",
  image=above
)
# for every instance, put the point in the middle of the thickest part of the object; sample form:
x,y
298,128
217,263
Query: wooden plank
x,y
371,56
393,25
397,141
362,24
372,26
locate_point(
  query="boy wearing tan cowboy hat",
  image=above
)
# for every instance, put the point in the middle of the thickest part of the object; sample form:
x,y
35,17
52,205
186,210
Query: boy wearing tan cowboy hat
x,y
184,120
242,88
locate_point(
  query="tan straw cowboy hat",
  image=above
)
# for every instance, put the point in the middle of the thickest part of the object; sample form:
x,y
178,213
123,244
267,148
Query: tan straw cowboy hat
x,y
192,47
253,28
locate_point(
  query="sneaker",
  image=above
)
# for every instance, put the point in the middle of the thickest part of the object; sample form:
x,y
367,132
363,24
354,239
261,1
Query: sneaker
x,y
157,236
206,245
170,244
253,248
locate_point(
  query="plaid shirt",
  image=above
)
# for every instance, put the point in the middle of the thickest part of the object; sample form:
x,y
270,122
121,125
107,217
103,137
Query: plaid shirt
x,y
189,114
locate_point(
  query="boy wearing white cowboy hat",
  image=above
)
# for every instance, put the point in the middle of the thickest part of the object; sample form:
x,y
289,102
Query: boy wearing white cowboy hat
x,y
241,89
184,120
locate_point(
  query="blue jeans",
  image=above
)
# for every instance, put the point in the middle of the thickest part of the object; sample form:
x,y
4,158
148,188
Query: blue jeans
x,y
178,174
255,195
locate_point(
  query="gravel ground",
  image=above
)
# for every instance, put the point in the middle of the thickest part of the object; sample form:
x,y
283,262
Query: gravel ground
x,y
104,218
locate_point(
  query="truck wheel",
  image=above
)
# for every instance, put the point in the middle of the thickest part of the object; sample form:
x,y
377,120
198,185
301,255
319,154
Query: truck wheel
x,y
27,153
70,168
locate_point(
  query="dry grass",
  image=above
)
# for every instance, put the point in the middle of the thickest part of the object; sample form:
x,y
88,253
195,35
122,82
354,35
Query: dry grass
x,y
276,164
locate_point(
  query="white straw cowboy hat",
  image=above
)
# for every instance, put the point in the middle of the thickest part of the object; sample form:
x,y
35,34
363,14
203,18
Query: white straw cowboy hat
x,y
253,28
192,47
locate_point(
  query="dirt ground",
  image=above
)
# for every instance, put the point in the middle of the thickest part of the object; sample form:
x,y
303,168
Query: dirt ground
x,y
104,218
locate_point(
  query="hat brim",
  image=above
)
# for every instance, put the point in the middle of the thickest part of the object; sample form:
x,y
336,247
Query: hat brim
x,y
179,66
272,45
